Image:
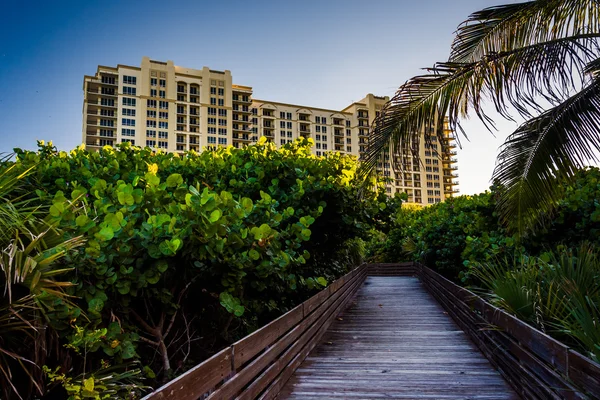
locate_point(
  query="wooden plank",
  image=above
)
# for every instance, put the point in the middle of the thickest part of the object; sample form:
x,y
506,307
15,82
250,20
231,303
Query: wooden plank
x,y
230,388
584,373
288,363
542,345
315,301
395,341
198,380
248,347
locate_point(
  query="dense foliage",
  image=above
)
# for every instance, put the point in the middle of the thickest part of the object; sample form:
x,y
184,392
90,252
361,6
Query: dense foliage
x,y
545,278
181,255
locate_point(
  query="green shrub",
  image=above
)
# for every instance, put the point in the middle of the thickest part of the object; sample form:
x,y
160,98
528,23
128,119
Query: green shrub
x,y
207,245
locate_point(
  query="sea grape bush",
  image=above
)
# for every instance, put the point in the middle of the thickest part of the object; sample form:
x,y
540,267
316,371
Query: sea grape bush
x,y
206,245
453,235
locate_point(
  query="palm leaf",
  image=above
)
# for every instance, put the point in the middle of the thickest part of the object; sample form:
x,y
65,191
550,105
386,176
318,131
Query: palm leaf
x,y
505,27
550,146
515,78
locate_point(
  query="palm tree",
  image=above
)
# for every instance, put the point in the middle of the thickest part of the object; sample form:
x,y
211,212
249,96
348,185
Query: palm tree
x,y
539,58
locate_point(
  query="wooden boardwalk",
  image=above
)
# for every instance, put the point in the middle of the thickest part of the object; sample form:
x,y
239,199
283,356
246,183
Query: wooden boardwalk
x,y
394,341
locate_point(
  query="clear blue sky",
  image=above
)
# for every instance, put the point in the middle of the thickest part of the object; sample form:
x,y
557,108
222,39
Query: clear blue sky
x,y
287,50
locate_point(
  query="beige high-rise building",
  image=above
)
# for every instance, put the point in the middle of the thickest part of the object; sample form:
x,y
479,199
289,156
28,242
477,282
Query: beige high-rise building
x,y
176,109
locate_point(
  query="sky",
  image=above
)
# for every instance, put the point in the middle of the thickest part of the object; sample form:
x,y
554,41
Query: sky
x,y
325,54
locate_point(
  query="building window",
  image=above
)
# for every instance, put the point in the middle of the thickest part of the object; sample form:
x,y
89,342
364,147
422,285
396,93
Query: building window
x,y
163,83
289,134
109,80
150,133
282,124
221,92
212,121
282,115
213,90
153,81
318,120
127,132
222,112
107,122
221,102
211,139
153,92
151,113
163,135
128,102
222,140
349,149
212,111
162,94
222,131
324,146
222,122
212,131
162,145
107,102
317,128
213,101
128,141
163,125
151,124
106,133
106,142
163,114
164,105
129,112
324,129
129,80
129,90
151,103
288,115
151,143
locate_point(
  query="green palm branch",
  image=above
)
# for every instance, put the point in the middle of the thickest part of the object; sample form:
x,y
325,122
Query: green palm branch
x,y
520,57
30,254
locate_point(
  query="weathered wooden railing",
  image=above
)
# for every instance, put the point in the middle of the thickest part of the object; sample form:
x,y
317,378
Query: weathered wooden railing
x,y
536,365
260,364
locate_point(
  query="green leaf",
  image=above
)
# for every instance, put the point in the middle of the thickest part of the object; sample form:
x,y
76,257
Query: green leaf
x,y
105,234
215,216
253,254
88,384
174,180
322,281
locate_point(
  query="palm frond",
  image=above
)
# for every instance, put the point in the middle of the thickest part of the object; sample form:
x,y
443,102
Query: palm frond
x,y
550,146
511,79
505,27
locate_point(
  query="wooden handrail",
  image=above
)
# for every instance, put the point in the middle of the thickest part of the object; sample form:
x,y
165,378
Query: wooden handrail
x,y
259,364
535,364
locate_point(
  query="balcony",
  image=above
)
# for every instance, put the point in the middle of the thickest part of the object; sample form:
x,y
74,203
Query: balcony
x,y
268,115
338,132
111,93
339,122
362,115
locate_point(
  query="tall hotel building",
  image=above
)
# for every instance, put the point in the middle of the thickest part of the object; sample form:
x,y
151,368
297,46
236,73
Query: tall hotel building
x,y
176,109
